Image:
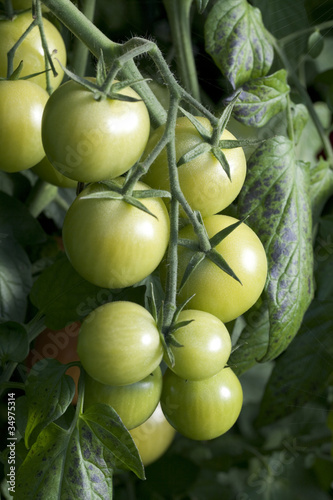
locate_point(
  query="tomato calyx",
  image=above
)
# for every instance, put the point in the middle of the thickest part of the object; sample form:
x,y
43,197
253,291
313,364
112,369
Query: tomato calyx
x,y
112,191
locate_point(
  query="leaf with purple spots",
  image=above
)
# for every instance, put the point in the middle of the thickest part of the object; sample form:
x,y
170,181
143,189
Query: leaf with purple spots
x,y
238,41
277,200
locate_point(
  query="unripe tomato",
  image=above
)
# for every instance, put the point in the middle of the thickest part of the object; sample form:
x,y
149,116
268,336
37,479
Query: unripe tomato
x,y
31,51
21,109
215,291
60,345
134,403
153,437
46,171
202,409
119,343
113,244
89,140
26,4
206,346
203,181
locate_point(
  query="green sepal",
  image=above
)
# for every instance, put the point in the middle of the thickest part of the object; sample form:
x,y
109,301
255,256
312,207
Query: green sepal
x,y
239,143
151,193
137,204
193,153
217,259
152,304
201,5
172,341
168,354
176,327
101,71
225,117
186,242
107,195
17,71
218,237
117,86
195,260
221,158
205,134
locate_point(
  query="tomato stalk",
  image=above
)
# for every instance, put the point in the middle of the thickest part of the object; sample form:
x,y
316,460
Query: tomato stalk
x,y
80,50
178,12
11,52
9,9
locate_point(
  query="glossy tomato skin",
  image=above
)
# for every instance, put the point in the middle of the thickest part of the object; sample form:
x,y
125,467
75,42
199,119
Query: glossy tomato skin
x,y
60,345
134,403
30,50
46,171
89,140
206,346
113,244
203,181
202,409
215,291
153,437
119,343
21,109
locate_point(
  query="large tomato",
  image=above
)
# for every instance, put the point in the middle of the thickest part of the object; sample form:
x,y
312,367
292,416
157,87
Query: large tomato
x,y
31,51
202,409
46,171
153,437
203,181
21,109
134,403
206,346
113,244
119,343
60,345
215,291
91,140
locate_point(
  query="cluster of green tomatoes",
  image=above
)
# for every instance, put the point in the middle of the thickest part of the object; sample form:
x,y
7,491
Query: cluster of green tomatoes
x,y
115,240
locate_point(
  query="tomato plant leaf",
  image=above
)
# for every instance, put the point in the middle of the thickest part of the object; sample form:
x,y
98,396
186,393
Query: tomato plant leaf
x,y
301,372
323,259
49,392
236,39
64,296
261,99
253,341
15,279
14,342
79,462
276,199
194,153
16,220
321,186
300,117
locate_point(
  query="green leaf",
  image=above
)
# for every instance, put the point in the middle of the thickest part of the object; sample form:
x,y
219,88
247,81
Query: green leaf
x,y
64,296
14,184
16,221
193,153
253,341
49,391
321,187
237,41
201,5
79,462
300,117
261,99
301,373
323,259
276,199
14,342
15,279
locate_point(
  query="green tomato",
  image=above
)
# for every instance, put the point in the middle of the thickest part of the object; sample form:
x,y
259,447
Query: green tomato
x,y
134,403
26,4
45,171
202,409
203,181
21,109
113,244
119,343
206,346
31,51
215,291
89,140
153,437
